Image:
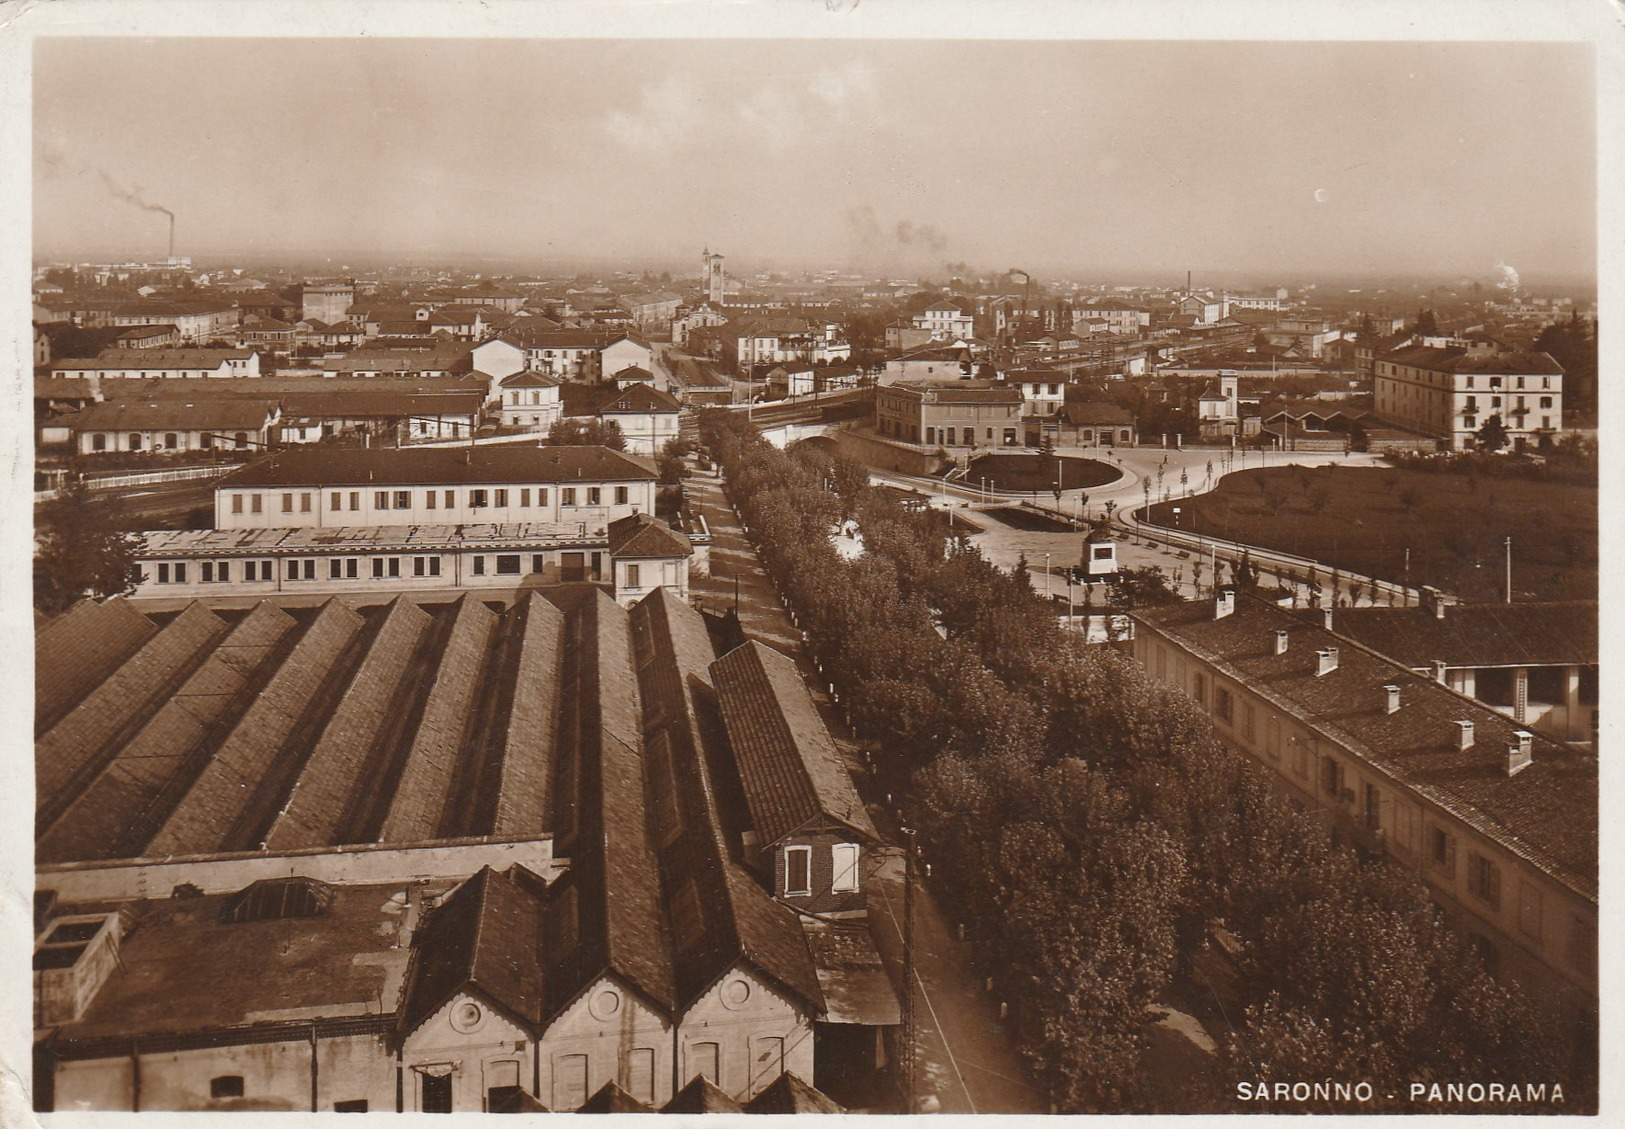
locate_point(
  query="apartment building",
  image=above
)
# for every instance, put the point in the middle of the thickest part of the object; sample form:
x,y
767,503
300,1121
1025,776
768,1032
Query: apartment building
x,y
1449,393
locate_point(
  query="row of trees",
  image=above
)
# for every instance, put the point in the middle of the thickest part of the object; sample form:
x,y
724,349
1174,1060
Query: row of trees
x,y
1092,830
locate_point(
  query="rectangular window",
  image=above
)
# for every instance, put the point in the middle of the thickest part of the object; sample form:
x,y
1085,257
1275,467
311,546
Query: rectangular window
x,y
507,564
541,495
429,499
479,566
567,495
394,567
633,576
254,504
163,574
310,569
380,499
1223,707
621,495
355,500
417,566
1331,777
1442,851
703,1060
1199,688
1484,879
1247,722
1529,909
378,568
501,497
846,867
304,503
226,1086
537,560
293,570
403,499
524,498
207,571
569,1082
451,499
336,502
353,1105
236,503
335,569
1373,808
595,495
287,503
250,572
797,870
478,499
640,1074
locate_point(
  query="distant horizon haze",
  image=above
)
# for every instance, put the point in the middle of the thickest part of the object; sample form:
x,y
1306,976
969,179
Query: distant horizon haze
x,y
1278,159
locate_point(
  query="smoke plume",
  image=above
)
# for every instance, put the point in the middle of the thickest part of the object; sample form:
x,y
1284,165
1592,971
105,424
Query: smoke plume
x,y
132,195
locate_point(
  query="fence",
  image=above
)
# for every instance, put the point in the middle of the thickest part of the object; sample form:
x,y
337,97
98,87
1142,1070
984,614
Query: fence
x,y
142,478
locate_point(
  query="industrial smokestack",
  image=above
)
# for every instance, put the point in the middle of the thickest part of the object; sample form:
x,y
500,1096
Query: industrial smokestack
x,y
172,236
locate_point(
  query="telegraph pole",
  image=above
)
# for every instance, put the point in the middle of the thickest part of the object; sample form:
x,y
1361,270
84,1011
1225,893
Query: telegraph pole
x,y
905,1057
1509,569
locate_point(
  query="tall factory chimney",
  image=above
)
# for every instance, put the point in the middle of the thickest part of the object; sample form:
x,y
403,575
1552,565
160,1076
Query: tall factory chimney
x,y
171,235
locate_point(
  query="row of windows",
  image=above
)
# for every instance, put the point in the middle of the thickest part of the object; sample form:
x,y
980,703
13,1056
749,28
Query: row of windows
x,y
499,498
171,441
1483,875
798,869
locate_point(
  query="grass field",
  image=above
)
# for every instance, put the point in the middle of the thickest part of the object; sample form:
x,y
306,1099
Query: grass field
x,y
1363,519
1038,472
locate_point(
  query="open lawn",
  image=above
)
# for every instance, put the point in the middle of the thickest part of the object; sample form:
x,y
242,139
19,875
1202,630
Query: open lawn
x,y
1040,472
1363,519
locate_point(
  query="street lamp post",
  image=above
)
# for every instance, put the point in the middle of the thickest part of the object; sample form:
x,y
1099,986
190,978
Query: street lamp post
x,y
1046,578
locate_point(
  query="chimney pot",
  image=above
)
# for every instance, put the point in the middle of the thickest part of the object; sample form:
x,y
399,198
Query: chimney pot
x,y
1327,661
1326,618
1464,735
1439,669
1280,640
1519,754
1224,604
1392,693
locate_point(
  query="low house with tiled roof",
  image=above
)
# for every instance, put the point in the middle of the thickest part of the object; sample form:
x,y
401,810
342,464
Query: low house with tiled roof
x,y
161,364
1084,423
1499,823
646,554
166,426
648,418
164,336
531,400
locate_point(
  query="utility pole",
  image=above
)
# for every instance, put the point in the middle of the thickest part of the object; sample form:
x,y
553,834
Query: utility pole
x,y
1509,569
905,1056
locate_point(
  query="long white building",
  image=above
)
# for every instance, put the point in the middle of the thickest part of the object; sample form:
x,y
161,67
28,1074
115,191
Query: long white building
x,y
1449,393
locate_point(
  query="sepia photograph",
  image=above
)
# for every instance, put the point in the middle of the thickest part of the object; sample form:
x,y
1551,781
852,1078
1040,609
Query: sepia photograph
x,y
831,558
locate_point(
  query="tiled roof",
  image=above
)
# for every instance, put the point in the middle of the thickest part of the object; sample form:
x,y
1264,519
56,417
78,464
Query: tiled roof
x,y
181,969
1478,634
599,816
789,1094
1546,813
69,754
1093,413
525,790
234,414
381,403
233,801
702,1096
719,914
485,938
78,649
116,815
788,763
531,380
433,466
954,393
348,762
610,1098
642,536
1461,360
423,798
154,359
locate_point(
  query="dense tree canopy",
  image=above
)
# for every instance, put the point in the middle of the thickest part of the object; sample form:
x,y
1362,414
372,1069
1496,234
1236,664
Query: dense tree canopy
x,y
1092,831
80,550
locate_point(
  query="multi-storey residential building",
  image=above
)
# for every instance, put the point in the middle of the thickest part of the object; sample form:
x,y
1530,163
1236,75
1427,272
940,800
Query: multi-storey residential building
x,y
298,489
571,354
965,413
1450,393
1500,824
945,321
531,400
1122,318
327,301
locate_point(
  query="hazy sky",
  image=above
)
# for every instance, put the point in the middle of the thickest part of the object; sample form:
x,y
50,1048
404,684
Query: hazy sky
x,y
1150,157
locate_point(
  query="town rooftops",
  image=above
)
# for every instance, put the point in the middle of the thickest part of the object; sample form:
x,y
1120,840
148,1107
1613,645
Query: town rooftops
x,y
433,466
278,541
1095,413
602,399
1554,634
215,414
155,359
792,773
1475,361
1546,813
643,536
958,392
142,332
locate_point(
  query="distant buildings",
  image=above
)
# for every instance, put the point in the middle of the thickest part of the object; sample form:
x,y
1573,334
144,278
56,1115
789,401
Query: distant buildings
x,y
161,364
327,301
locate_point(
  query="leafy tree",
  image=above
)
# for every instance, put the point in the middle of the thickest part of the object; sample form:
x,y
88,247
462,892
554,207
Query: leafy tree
x,y
80,550
1492,435
1427,325
570,431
